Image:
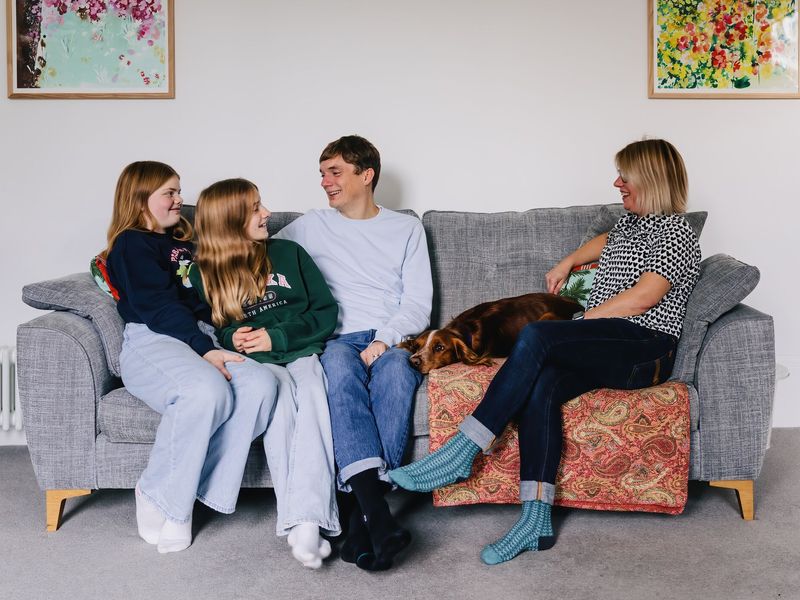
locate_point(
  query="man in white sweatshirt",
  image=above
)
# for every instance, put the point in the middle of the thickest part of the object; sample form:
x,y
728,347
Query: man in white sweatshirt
x,y
376,263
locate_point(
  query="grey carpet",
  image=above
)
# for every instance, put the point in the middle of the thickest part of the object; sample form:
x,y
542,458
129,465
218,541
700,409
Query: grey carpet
x,y
706,553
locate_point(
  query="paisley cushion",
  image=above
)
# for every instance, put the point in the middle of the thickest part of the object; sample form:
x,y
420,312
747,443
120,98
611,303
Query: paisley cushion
x,y
623,450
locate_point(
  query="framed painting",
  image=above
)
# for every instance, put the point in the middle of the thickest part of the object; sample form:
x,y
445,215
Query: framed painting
x,y
90,48
723,49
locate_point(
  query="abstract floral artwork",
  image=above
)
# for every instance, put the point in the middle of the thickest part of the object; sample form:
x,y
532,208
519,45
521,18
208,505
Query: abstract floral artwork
x,y
90,49
723,49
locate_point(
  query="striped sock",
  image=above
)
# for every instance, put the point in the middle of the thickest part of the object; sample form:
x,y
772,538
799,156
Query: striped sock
x,y
533,531
452,462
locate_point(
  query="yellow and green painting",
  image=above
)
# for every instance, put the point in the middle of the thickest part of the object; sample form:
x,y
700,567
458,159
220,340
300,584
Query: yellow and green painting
x,y
105,46
747,46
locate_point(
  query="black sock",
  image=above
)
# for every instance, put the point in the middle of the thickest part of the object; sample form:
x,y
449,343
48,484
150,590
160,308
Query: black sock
x,y
387,536
357,542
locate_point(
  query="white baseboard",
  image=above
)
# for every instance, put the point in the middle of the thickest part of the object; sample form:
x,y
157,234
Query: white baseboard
x,y
12,437
786,411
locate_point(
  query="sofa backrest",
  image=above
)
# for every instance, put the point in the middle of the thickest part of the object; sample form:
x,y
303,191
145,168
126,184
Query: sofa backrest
x,y
478,257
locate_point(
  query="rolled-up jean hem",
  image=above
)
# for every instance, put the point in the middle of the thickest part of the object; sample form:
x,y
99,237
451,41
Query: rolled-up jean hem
x,y
477,432
222,509
373,462
326,527
537,490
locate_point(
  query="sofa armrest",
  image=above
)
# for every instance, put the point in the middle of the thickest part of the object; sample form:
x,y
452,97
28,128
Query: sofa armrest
x,y
735,381
62,373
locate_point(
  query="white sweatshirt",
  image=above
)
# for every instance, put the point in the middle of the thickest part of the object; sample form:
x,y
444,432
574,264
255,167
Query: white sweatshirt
x,y
378,269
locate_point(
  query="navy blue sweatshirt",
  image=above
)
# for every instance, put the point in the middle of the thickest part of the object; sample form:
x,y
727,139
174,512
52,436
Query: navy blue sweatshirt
x,y
150,271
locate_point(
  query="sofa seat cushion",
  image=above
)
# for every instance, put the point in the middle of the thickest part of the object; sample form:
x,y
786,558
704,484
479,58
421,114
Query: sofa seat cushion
x,y
623,450
122,417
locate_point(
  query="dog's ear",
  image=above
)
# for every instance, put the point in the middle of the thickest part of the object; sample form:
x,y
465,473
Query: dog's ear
x,y
466,355
413,344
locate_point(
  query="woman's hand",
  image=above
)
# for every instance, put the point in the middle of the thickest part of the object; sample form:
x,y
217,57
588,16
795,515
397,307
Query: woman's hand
x,y
248,340
372,352
557,276
218,358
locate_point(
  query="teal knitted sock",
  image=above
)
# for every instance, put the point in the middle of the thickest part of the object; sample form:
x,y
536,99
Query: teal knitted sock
x,y
533,531
452,462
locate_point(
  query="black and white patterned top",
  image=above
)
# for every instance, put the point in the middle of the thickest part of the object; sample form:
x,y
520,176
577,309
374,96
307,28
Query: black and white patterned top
x,y
661,244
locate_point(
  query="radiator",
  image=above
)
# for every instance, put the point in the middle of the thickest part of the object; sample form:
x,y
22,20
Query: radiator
x,y
10,411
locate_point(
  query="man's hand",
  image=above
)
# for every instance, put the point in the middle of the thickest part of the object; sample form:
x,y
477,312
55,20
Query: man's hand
x,y
373,352
248,340
218,358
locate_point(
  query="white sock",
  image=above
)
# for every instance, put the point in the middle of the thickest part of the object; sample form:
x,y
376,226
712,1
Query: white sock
x,y
304,539
175,536
149,519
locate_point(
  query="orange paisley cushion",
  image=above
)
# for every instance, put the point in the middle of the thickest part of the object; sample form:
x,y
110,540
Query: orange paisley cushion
x,y
623,450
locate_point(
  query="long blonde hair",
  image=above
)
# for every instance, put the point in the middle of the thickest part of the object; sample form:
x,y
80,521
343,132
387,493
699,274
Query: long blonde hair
x,y
656,168
135,185
234,268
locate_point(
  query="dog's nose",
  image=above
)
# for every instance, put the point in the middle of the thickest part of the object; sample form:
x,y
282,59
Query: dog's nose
x,y
415,360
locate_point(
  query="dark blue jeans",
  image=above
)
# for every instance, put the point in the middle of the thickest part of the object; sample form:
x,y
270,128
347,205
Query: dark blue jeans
x,y
553,362
371,407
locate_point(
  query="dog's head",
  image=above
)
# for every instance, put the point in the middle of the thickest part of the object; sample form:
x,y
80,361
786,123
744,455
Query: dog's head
x,y
438,348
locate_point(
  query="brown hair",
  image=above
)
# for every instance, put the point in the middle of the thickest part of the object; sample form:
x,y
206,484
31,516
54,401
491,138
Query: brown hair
x,y
234,268
135,185
356,151
657,171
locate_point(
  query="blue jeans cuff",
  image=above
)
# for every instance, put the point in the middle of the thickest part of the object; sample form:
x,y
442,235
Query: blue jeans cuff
x,y
537,490
373,462
477,432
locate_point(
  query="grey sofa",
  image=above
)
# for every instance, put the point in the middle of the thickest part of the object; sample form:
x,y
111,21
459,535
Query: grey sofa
x,y
86,432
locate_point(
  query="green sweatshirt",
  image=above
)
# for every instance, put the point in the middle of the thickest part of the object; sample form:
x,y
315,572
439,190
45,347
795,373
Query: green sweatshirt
x,y
297,310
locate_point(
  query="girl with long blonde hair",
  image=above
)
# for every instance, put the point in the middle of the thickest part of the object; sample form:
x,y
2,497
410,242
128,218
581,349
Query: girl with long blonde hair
x,y
209,398
270,302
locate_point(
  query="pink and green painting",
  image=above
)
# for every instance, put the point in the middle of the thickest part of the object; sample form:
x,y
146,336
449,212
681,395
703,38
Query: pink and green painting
x,y
87,47
732,47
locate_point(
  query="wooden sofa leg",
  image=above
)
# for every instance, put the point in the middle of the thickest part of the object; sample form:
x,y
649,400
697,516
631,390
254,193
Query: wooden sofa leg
x,y
54,502
744,492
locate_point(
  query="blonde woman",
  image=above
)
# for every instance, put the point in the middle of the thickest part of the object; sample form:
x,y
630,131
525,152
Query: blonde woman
x,y
270,302
649,263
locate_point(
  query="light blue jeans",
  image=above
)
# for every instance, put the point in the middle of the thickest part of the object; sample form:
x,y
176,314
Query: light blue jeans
x,y
299,448
370,407
207,423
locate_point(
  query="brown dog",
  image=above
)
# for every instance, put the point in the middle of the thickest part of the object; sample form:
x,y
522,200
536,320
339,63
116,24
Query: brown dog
x,y
485,331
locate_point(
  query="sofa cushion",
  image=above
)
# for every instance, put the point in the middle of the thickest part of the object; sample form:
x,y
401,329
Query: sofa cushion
x,y
78,293
122,417
723,283
609,214
476,257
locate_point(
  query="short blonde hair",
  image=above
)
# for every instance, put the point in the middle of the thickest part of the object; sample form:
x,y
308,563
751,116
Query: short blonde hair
x,y
657,171
234,268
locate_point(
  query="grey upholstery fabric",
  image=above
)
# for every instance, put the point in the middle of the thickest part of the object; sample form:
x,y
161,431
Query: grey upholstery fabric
x,y
723,283
79,294
85,430
477,257
122,417
736,384
609,214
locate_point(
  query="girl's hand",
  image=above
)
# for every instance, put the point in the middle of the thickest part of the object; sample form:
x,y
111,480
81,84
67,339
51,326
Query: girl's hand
x,y
218,358
372,352
556,276
248,340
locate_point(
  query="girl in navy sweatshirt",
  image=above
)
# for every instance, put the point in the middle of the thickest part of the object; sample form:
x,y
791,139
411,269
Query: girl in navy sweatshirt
x,y
211,401
270,302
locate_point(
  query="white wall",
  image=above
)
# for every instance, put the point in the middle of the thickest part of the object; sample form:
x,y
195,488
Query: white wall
x,y
481,106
